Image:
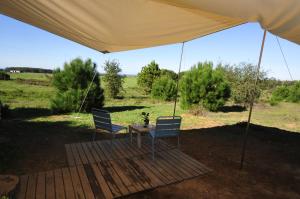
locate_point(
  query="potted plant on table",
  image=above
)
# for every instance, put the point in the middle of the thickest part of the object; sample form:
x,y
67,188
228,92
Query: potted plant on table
x,y
145,117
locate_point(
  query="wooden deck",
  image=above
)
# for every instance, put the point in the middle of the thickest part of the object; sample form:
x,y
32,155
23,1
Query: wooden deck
x,y
97,172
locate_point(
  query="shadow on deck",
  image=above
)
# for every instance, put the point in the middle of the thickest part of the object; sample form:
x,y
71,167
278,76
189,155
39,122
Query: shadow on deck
x,y
96,171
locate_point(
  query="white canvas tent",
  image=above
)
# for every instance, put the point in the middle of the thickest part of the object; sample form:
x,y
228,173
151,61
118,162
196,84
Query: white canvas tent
x,y
117,25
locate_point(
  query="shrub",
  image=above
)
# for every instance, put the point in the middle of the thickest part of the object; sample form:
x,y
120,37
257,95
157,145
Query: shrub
x,y
203,85
4,110
169,73
164,88
4,76
147,76
280,93
289,93
72,84
294,94
113,81
241,79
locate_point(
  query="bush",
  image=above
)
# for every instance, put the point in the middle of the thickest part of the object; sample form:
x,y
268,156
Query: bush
x,y
289,93
169,73
4,76
147,76
113,81
4,111
241,79
72,84
203,85
294,95
164,88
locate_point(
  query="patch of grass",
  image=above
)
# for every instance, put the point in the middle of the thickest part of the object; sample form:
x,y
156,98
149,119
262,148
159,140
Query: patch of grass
x,y
128,110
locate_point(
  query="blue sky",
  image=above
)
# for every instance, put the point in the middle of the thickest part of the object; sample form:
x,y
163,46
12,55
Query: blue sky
x,y
24,45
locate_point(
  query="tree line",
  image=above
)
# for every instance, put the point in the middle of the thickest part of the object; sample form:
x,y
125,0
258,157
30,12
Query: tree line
x,y
204,85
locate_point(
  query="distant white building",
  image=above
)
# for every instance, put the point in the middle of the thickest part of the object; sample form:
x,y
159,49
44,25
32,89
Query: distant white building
x,y
15,71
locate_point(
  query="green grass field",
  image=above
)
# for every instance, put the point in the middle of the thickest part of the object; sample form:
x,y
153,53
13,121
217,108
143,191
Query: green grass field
x,y
26,98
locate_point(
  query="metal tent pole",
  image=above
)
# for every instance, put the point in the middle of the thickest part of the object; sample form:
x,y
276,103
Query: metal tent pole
x,y
178,77
252,101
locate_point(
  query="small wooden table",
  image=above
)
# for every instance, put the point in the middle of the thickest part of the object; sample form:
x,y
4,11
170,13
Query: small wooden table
x,y
139,129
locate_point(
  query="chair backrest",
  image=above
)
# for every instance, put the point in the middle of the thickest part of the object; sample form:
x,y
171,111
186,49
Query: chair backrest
x,y
167,126
102,119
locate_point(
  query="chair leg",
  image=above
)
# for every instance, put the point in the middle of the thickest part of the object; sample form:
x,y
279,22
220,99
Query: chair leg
x,y
153,148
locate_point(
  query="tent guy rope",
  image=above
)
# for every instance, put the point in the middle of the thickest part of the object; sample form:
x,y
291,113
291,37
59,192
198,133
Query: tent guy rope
x,y
178,77
285,62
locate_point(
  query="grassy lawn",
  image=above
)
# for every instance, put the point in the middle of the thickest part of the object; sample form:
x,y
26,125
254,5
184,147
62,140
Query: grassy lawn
x,y
32,102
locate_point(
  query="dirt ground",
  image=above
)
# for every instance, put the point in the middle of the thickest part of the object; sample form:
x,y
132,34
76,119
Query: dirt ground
x,y
271,170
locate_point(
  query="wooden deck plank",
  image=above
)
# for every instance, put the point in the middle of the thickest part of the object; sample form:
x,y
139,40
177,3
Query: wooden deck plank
x,y
59,184
179,166
75,154
127,169
76,183
102,182
50,188
120,171
130,174
118,181
187,162
93,151
81,153
68,185
154,180
88,153
174,170
98,194
157,171
161,165
85,183
109,146
117,151
99,151
138,173
31,187
41,186
70,157
23,187
109,179
107,153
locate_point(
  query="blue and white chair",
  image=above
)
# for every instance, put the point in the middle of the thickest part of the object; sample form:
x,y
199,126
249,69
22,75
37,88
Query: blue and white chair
x,y
102,121
166,126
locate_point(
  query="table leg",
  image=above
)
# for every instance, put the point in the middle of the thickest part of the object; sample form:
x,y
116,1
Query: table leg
x,y
139,140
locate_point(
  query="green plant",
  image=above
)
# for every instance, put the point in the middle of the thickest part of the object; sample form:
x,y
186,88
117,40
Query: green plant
x,y
241,79
164,88
294,94
4,110
72,84
289,93
203,85
147,76
113,81
4,76
145,118
169,73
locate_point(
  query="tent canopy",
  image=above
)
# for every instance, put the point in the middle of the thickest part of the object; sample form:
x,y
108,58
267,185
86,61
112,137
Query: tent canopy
x,y
117,25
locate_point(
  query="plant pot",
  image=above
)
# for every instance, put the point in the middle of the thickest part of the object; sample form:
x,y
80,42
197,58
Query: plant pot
x,y
146,123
